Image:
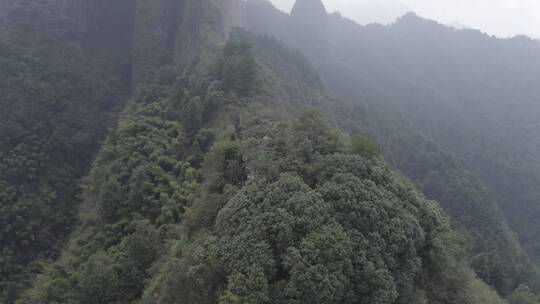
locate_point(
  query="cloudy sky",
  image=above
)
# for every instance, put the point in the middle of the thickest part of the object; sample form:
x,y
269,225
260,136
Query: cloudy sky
x,y
502,18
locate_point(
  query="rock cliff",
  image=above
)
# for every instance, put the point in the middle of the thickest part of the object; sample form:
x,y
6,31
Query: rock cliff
x,y
143,32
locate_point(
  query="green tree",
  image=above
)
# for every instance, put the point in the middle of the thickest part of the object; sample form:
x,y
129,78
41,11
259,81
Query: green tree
x,y
229,298
239,67
98,281
366,148
523,295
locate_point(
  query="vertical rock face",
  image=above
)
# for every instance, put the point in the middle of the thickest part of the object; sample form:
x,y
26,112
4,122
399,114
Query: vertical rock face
x,y
138,33
3,13
261,17
231,15
312,11
166,31
207,21
111,19
96,23
309,16
156,25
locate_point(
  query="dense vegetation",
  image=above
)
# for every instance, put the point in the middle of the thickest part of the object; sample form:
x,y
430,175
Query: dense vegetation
x,y
55,109
224,179
437,100
201,195
149,170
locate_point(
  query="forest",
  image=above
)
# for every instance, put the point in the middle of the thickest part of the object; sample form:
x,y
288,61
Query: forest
x,y
225,152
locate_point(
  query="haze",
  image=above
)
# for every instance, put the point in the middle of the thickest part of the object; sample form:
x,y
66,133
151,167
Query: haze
x,y
503,18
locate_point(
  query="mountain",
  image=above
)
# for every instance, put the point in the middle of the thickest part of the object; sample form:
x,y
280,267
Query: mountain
x,y
459,26
158,153
308,11
209,190
67,69
438,100
57,106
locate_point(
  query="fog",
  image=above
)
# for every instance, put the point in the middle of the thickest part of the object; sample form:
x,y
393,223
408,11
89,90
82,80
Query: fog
x,y
502,18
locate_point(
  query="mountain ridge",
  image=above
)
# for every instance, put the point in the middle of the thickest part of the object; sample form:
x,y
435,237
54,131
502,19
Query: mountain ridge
x,y
384,69
214,184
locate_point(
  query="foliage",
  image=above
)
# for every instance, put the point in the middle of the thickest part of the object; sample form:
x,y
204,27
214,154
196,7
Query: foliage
x,y
148,171
238,70
522,295
137,190
365,147
175,213
360,235
56,107
206,192
448,113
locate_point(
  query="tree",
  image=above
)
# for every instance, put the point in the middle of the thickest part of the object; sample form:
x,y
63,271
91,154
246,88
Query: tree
x,y
523,295
366,148
239,67
98,280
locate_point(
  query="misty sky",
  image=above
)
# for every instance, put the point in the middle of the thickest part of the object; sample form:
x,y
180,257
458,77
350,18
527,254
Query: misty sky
x,y
502,18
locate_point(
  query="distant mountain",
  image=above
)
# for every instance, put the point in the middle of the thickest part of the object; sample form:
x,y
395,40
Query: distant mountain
x,y
468,99
459,26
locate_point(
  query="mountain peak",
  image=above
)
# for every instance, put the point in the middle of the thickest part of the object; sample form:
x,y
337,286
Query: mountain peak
x,y
413,21
309,10
410,17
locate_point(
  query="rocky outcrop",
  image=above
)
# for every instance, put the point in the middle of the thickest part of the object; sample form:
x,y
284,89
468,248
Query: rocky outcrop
x,y
231,15
156,27
309,16
167,31
3,13
77,18
208,21
143,33
309,10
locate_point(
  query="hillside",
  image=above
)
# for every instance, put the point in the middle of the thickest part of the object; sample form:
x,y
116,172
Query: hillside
x,y
454,110
209,192
158,153
57,105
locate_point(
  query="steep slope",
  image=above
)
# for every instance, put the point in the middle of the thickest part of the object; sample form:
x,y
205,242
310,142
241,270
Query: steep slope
x,y
67,69
437,100
210,190
216,185
57,105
